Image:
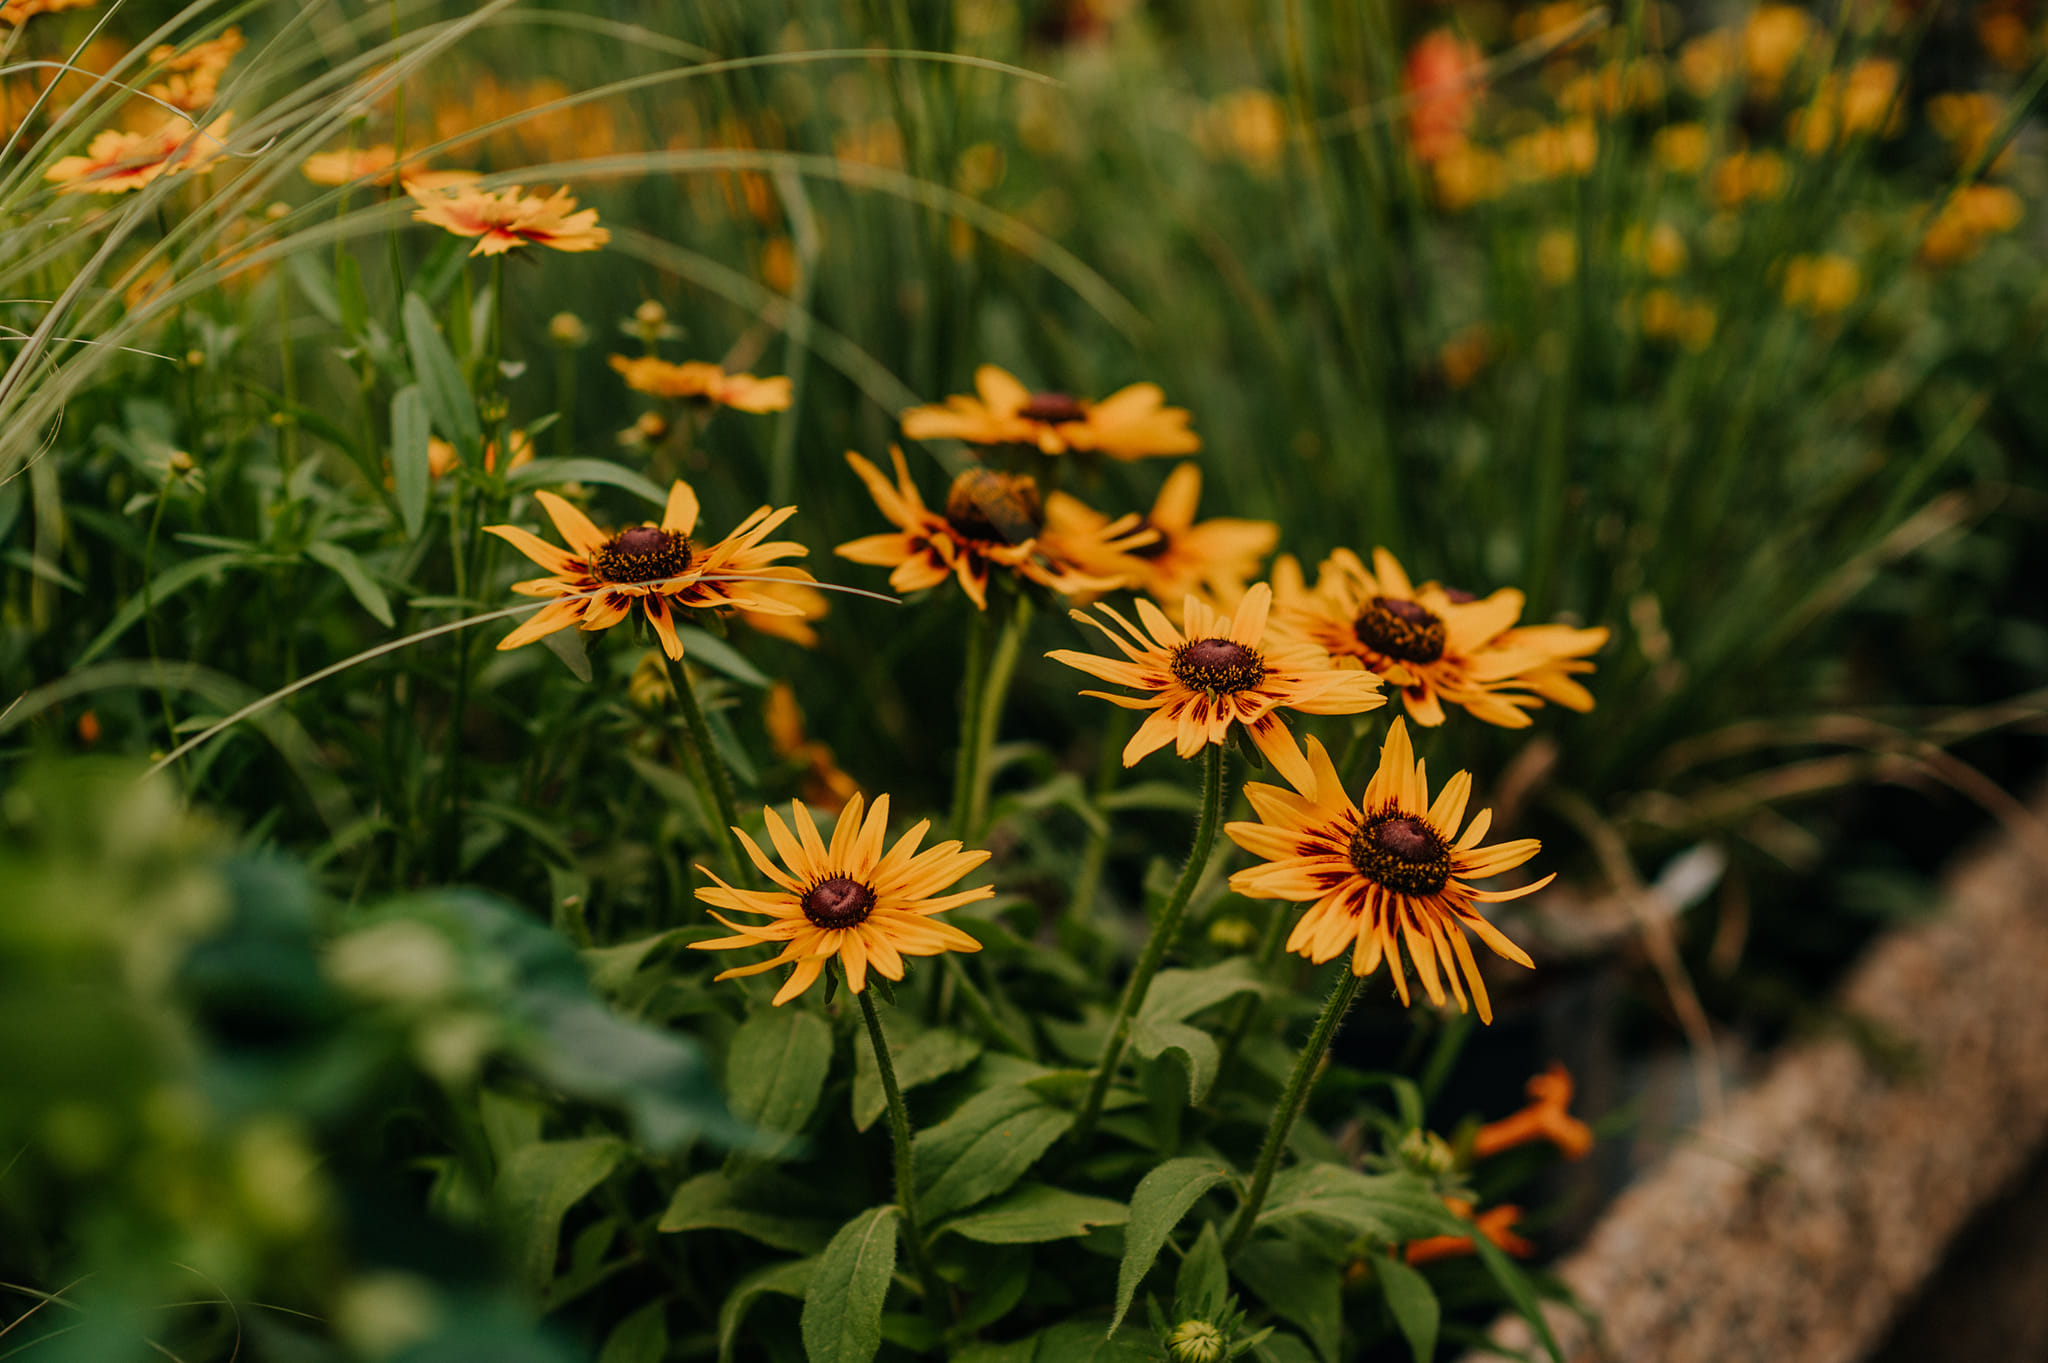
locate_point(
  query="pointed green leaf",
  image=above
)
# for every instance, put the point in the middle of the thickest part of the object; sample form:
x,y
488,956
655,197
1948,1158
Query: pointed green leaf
x,y
346,566
1516,1284
1162,1199
410,474
715,653
1178,994
536,1187
1035,1212
920,1058
1300,1286
709,1202
1196,1049
546,472
1389,1208
791,1279
775,1070
448,398
1204,1281
641,1337
1413,1303
983,1148
842,1317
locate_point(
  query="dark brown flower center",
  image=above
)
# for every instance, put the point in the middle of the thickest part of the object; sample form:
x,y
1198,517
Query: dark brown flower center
x,y
1052,407
1161,542
1400,629
1218,665
840,902
994,507
1402,853
645,553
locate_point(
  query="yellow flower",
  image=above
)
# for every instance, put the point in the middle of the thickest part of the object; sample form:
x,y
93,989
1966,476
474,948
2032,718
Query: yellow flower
x,y
1822,285
991,520
1614,88
116,162
704,382
1557,255
1426,640
193,76
1385,874
19,12
1864,103
501,219
1669,316
1223,671
373,164
1706,63
1128,424
807,603
1551,153
825,786
442,458
1682,148
1775,37
1466,175
1249,124
598,577
1966,120
1661,249
849,900
1465,355
1743,176
1221,554
1971,216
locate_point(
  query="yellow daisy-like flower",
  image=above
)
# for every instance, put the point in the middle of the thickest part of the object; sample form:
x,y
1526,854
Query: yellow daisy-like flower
x,y
19,12
1218,555
501,219
991,520
599,577
849,900
192,78
374,164
116,162
704,382
1434,645
1386,873
1128,424
1223,671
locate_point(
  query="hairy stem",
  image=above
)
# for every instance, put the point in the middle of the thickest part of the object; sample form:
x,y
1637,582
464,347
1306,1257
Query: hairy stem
x,y
899,1135
715,774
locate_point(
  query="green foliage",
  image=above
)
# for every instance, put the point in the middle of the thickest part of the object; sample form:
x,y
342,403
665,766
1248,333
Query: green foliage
x,y
843,1302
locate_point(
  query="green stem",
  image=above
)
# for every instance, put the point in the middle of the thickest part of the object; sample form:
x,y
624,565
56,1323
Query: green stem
x,y
1240,1025
1108,762
899,1136
995,693
715,774
1157,945
970,720
1291,1103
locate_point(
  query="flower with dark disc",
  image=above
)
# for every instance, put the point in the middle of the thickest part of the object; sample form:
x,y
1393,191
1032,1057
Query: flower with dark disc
x,y
1128,424
1219,556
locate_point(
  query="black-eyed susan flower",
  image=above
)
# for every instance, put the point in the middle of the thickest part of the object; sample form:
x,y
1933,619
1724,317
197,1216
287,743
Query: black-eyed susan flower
x,y
991,520
1385,874
501,219
696,380
1224,670
1218,556
850,900
599,577
1436,647
1128,424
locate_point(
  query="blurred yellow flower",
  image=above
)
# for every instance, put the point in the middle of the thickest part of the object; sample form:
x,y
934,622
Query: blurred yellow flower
x,y
1467,175
193,77
1744,176
1221,554
1249,125
1707,62
1863,103
1669,316
1557,255
1682,148
1465,355
805,602
2003,33
116,162
824,785
1971,216
1130,423
1965,119
703,382
21,11
1555,151
1822,284
1773,39
502,219
373,164
1615,87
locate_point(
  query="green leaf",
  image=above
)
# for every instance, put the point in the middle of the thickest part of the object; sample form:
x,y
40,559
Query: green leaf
x,y
983,1148
348,292
1204,1280
536,1187
641,1337
1300,1286
1389,1208
1035,1212
707,1202
1162,1199
1282,1348
791,1279
317,285
1198,1052
921,1058
448,399
1516,1284
410,474
1413,1303
716,654
612,968
1178,994
775,1071
842,1317
567,645
162,587
587,471
355,576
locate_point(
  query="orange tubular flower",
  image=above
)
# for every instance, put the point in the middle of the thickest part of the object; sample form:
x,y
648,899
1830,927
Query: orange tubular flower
x,y
849,900
1388,872
656,566
1545,1119
116,162
373,164
704,382
1220,555
1497,1224
1224,671
1439,82
1128,424
18,12
1434,646
501,219
991,520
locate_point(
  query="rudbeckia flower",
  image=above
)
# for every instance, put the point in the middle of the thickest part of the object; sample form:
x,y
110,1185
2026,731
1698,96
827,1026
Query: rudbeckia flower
x,y
501,219
1218,555
1387,873
849,900
1128,424
704,382
655,565
991,520
116,162
1223,671
1433,645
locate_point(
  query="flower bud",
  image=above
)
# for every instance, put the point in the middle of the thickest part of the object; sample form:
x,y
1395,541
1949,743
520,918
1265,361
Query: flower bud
x,y
1195,1341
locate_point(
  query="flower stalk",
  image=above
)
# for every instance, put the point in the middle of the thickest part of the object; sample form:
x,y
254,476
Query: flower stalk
x,y
1292,1100
1156,947
899,1136
713,766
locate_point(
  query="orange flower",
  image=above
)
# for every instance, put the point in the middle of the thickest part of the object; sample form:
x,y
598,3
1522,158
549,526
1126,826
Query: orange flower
x,y
504,218
806,601
1434,645
704,382
348,166
1183,557
194,75
19,12
1439,82
991,520
1128,424
1497,1224
1545,1119
599,577
442,458
1223,671
1970,217
116,162
824,784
